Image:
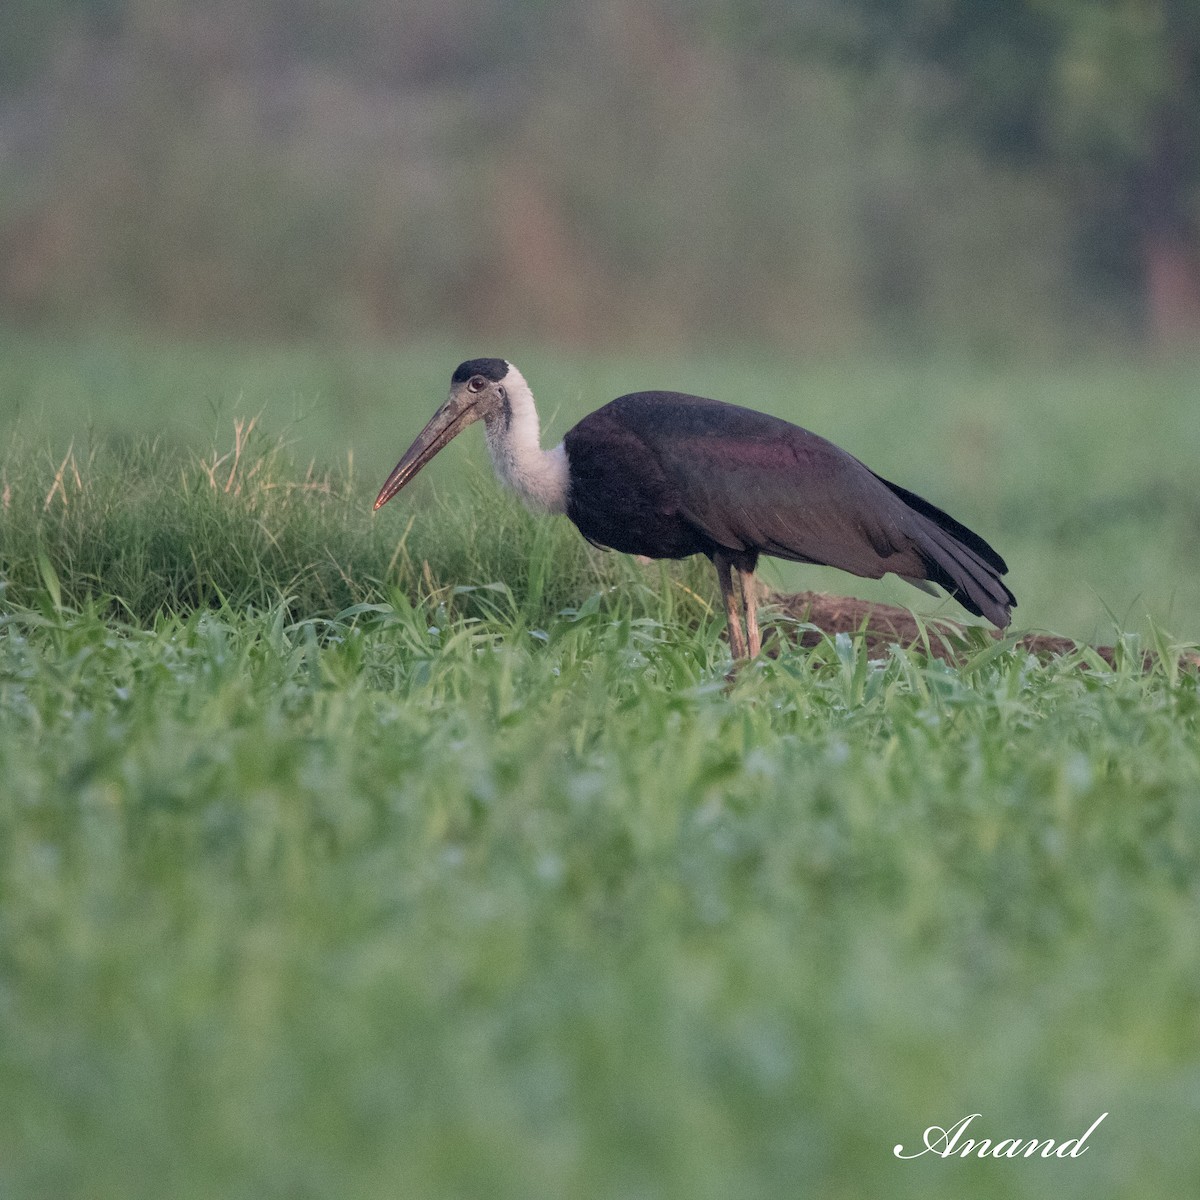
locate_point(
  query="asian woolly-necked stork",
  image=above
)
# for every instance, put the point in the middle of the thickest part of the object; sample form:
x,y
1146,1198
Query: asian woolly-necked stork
x,y
667,475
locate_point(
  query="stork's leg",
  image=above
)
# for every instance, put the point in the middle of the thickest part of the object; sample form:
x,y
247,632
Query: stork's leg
x,y
737,639
750,604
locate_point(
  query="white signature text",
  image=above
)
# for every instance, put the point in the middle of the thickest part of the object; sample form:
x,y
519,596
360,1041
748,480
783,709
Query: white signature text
x,y
951,1143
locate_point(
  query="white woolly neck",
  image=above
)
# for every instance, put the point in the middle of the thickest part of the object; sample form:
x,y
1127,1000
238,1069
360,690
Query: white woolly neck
x,y
538,476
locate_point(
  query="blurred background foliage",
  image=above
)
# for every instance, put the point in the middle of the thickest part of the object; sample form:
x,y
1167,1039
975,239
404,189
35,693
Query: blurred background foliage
x,y
811,174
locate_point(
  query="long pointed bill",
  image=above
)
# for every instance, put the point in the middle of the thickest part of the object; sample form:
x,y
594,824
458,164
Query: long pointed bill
x,y
449,421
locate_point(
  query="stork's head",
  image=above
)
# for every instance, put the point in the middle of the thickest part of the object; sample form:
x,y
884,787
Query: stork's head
x,y
477,392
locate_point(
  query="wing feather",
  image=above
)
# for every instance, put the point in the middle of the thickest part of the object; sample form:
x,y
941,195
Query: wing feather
x,y
748,482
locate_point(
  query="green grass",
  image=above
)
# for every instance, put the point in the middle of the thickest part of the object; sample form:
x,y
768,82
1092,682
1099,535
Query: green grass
x,y
1082,474
402,905
431,854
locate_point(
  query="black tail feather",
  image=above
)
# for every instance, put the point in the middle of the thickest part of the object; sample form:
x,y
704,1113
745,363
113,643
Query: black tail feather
x,y
959,560
972,581
944,520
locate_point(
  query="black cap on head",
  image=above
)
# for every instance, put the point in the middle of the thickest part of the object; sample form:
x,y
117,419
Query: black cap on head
x,y
494,369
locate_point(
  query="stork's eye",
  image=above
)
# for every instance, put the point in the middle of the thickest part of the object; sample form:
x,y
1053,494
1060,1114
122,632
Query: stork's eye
x,y
477,384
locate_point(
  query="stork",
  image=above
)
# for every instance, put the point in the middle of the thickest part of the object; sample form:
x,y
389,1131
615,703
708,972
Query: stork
x,y
667,475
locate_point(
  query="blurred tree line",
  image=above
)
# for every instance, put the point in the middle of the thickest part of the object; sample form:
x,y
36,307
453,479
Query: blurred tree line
x,y
811,173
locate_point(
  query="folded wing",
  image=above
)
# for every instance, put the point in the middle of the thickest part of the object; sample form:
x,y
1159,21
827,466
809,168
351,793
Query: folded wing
x,y
750,482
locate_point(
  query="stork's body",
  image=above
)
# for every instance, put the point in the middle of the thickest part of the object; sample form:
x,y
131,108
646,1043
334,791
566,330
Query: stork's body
x,y
668,475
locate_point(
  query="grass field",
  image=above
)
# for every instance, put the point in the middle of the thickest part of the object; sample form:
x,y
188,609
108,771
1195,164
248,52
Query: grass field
x,y
430,854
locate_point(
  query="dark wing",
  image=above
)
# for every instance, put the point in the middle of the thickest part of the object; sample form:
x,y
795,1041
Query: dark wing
x,y
620,494
752,482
